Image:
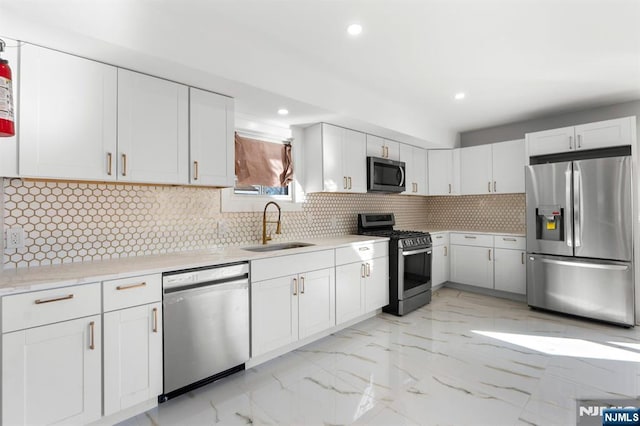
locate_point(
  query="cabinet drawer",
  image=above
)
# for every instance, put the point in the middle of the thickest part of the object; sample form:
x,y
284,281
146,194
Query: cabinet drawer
x,y
508,242
28,310
361,251
470,239
440,238
265,269
133,291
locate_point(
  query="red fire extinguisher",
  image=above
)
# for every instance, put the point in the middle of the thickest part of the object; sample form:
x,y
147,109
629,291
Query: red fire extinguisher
x,y
7,127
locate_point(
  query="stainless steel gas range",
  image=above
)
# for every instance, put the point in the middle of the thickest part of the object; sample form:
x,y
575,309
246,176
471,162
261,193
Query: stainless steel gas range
x,y
409,262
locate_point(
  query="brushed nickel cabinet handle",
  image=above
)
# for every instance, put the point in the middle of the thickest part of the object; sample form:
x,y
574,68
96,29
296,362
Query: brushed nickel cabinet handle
x,y
344,182
470,237
155,320
301,285
494,186
368,269
195,170
489,254
109,163
522,257
489,186
349,182
449,188
579,141
438,236
445,251
295,286
92,333
362,271
131,286
124,164
570,142
364,248
508,239
55,299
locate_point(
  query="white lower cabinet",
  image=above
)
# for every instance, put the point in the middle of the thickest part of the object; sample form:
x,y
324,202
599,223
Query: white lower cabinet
x,y
472,265
286,309
376,284
361,287
132,356
52,374
440,258
510,270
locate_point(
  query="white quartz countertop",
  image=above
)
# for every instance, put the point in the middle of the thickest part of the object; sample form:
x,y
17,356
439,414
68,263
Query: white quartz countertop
x,y
45,277
462,231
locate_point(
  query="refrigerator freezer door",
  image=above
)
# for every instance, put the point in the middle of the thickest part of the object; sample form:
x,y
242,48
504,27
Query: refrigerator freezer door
x,y
548,190
602,208
594,289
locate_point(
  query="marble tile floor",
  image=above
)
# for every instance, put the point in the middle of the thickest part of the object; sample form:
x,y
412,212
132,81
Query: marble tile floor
x,y
464,359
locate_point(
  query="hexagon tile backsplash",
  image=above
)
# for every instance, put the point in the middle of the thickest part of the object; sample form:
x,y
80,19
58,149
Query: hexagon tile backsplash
x,y
74,222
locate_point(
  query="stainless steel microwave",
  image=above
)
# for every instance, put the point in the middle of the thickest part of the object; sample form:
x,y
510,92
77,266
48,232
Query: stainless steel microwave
x,y
385,175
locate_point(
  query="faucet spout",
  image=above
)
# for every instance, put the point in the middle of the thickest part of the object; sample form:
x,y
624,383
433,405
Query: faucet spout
x,y
266,238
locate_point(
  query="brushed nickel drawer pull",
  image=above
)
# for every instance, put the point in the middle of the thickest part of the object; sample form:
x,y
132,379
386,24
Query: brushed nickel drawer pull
x,y
470,237
295,286
124,164
494,186
129,287
109,163
195,170
438,236
363,248
349,182
301,285
55,299
92,341
449,188
522,257
155,320
489,186
509,239
344,182
368,269
445,250
489,254
362,271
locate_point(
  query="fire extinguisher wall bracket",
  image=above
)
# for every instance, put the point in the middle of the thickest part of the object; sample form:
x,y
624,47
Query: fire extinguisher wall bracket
x,y
7,118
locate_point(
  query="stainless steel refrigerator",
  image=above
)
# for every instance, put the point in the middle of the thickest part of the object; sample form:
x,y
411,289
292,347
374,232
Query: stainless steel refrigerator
x,y
580,238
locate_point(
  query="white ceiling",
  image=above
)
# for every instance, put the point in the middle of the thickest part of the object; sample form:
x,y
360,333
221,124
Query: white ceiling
x,y
515,59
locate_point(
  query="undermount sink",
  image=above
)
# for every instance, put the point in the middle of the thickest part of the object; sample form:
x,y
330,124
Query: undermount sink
x,y
276,247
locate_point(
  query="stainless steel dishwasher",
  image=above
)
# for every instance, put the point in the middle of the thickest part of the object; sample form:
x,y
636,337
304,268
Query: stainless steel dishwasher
x,y
206,325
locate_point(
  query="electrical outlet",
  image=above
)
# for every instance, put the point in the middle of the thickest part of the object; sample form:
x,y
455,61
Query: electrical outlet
x,y
15,238
223,229
334,222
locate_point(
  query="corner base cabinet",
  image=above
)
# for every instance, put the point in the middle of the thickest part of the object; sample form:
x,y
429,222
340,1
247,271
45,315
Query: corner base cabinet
x,y
52,374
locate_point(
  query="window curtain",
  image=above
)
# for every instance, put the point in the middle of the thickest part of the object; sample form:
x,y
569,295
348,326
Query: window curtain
x,y
263,163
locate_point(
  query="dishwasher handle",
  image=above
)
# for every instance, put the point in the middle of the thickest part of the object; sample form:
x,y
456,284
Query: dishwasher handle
x,y
227,284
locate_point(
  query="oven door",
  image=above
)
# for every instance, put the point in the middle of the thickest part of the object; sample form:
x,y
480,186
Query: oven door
x,y
414,271
385,175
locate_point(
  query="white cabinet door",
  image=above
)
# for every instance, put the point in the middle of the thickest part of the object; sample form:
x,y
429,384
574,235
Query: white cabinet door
x,y
476,175
67,123
440,265
316,302
376,147
211,141
354,160
132,356
472,265
349,291
52,374
333,174
376,291
510,271
605,133
274,314
406,155
9,145
416,169
393,149
508,167
440,172
153,129
551,141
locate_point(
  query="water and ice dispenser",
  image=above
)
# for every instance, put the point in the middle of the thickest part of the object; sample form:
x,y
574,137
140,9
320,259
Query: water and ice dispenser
x,y
550,223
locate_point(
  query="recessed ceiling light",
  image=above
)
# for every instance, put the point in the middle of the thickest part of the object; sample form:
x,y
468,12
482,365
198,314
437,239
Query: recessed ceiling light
x,y
283,111
459,96
354,29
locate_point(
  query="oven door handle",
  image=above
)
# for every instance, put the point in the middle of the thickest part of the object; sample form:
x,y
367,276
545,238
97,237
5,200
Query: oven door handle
x,y
409,253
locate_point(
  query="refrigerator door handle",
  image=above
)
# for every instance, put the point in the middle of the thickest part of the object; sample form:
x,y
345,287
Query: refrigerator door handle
x,y
585,265
577,205
568,215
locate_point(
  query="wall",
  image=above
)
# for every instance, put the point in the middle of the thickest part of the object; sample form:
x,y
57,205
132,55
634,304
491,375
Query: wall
x,y
74,222
517,130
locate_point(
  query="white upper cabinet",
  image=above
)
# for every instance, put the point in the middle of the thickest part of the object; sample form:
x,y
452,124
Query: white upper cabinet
x,y
211,141
416,169
493,168
334,159
153,131
383,148
9,146
601,134
442,172
67,123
